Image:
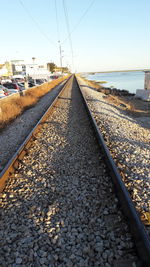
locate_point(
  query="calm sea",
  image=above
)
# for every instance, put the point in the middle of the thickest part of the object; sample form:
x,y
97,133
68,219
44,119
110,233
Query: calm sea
x,y
121,80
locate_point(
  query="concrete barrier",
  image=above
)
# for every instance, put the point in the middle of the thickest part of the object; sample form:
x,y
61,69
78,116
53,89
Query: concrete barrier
x,y
143,94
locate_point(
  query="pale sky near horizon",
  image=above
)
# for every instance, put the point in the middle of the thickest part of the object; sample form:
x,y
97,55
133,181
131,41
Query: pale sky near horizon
x,y
106,34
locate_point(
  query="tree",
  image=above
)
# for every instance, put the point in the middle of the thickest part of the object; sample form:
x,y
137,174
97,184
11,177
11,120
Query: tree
x,y
51,66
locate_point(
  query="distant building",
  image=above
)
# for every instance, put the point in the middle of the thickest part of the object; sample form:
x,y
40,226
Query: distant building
x,y
33,70
6,69
18,67
3,70
9,68
63,69
37,71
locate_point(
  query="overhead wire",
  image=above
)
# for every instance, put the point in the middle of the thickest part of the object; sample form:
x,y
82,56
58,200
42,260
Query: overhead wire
x,y
36,23
80,20
68,30
58,34
56,12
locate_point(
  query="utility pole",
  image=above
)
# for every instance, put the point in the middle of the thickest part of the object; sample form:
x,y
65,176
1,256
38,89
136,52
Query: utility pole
x,y
33,58
60,51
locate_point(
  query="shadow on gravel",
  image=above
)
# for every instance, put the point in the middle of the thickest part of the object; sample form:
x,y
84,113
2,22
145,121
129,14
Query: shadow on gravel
x,y
94,89
66,98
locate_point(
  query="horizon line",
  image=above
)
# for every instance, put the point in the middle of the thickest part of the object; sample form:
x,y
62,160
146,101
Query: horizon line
x,y
115,71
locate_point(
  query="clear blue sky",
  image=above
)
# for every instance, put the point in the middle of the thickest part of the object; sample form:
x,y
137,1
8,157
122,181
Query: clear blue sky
x,y
113,35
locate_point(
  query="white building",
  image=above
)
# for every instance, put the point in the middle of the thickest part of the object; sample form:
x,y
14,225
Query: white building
x,y
34,70
18,67
144,94
37,71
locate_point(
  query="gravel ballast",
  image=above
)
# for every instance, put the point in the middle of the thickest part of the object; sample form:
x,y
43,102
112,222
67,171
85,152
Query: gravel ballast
x,y
13,135
59,209
128,139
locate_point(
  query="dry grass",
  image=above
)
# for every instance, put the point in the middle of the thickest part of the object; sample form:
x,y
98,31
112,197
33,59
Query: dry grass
x,y
14,105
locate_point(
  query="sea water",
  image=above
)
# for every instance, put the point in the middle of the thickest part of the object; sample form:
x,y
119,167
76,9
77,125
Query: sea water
x,y
129,80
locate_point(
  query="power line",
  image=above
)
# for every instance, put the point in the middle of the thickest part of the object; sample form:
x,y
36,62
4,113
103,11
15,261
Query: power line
x,y
36,23
68,30
58,34
79,21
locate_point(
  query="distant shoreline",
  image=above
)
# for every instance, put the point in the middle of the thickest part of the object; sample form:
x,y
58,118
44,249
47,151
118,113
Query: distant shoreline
x,y
128,80
109,71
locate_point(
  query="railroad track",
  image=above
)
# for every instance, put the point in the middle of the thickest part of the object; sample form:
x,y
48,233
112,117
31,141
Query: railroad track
x,y
59,207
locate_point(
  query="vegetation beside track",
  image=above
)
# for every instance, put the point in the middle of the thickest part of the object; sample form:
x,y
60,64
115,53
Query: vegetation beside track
x,y
14,105
93,84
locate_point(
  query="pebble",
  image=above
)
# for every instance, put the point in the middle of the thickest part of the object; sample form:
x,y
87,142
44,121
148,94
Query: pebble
x,y
18,260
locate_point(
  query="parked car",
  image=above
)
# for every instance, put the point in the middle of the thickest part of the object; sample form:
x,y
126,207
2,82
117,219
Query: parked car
x,y
6,81
11,85
31,84
35,82
3,91
39,81
2,94
12,88
21,85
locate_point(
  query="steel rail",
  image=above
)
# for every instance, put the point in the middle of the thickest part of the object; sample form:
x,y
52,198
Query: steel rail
x,y
137,228
13,163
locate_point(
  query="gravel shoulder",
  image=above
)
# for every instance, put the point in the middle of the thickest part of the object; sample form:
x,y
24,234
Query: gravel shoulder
x,y
59,209
128,138
12,136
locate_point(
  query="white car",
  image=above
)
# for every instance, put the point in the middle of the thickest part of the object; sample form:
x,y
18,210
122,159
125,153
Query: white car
x,y
7,91
3,91
11,87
